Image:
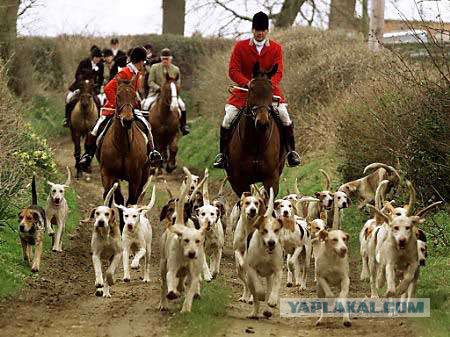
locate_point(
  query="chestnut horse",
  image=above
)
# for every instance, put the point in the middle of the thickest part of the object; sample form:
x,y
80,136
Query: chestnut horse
x,y
83,118
123,152
255,152
164,120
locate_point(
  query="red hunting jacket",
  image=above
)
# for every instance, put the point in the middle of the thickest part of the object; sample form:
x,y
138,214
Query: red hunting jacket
x,y
110,89
240,69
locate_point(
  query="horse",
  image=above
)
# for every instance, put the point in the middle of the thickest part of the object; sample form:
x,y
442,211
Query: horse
x,y
122,153
255,151
164,119
82,120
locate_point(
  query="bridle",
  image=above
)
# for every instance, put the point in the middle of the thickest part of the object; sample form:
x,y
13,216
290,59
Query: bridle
x,y
119,108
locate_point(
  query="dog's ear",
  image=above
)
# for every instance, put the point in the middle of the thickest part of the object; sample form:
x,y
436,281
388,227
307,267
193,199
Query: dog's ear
x,y
177,229
280,222
318,195
323,235
112,218
346,237
417,220
245,195
276,204
50,183
91,216
420,235
221,208
164,212
349,201
367,232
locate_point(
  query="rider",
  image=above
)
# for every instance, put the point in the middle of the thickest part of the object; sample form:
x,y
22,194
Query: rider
x,y
157,77
120,58
245,54
137,58
89,68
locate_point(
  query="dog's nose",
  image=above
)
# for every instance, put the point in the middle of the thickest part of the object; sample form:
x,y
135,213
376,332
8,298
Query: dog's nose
x,y
191,255
285,213
130,227
100,223
22,228
344,204
402,242
343,251
271,243
252,212
57,200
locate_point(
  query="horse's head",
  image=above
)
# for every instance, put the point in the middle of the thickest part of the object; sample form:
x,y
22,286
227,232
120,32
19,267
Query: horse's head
x,y
170,91
86,92
259,100
125,100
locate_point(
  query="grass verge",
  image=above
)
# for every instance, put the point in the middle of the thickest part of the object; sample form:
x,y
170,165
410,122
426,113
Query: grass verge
x,y
207,313
14,270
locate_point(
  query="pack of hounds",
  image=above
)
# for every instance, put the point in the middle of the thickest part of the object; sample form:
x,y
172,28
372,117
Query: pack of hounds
x,y
269,237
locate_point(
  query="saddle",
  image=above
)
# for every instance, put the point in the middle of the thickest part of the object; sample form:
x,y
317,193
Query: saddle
x,y
247,112
138,118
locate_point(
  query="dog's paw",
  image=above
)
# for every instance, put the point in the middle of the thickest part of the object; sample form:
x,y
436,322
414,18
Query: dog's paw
x,y
107,294
253,316
347,323
146,280
99,292
163,307
267,313
197,296
319,321
126,279
208,277
272,302
35,269
390,293
135,265
171,295
374,296
289,284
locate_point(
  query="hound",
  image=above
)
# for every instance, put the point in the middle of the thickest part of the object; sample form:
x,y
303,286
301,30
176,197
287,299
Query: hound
x,y
220,201
57,211
332,267
105,244
399,252
137,233
181,257
31,230
251,210
264,259
209,217
295,240
316,226
364,188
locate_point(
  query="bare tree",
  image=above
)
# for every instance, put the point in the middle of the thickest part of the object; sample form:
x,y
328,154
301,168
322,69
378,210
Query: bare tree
x,y
8,31
342,15
376,25
282,12
10,10
173,16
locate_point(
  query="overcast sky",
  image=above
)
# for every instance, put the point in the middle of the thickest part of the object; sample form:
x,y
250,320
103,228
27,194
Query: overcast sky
x,y
109,17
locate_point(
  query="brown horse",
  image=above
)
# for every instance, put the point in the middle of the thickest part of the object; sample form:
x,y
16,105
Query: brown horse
x,y
164,119
123,152
255,152
83,118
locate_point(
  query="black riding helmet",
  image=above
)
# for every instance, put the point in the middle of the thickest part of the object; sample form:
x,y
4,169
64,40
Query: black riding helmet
x,y
138,54
95,52
107,52
260,21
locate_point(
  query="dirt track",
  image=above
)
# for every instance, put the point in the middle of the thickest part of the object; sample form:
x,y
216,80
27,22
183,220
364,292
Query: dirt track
x,y
61,301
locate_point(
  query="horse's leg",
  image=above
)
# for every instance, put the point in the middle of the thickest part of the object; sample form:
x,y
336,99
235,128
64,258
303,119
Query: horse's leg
x,y
273,182
173,149
76,139
135,188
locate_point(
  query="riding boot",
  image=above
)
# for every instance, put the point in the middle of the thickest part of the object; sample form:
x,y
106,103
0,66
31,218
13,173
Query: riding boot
x,y
90,147
154,157
221,160
184,128
97,102
68,110
293,158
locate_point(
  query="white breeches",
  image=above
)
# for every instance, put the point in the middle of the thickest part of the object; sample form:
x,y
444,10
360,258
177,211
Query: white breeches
x,y
148,102
231,112
102,118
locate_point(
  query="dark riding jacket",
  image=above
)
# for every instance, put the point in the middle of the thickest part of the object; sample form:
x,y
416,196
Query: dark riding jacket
x,y
85,70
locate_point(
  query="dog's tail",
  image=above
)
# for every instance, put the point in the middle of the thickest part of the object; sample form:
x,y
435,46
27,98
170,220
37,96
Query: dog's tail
x,y
412,197
34,199
141,198
380,194
327,180
375,166
422,212
222,186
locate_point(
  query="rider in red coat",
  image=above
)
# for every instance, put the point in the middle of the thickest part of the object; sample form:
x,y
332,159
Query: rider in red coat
x,y
244,56
137,58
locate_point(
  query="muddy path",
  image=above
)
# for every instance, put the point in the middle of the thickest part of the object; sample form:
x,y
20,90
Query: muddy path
x,y
60,301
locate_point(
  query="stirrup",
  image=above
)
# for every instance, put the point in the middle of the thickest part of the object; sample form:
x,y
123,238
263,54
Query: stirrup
x,y
220,161
85,162
293,159
66,123
185,130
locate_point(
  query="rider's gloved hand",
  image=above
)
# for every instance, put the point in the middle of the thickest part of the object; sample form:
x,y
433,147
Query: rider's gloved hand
x,y
155,159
